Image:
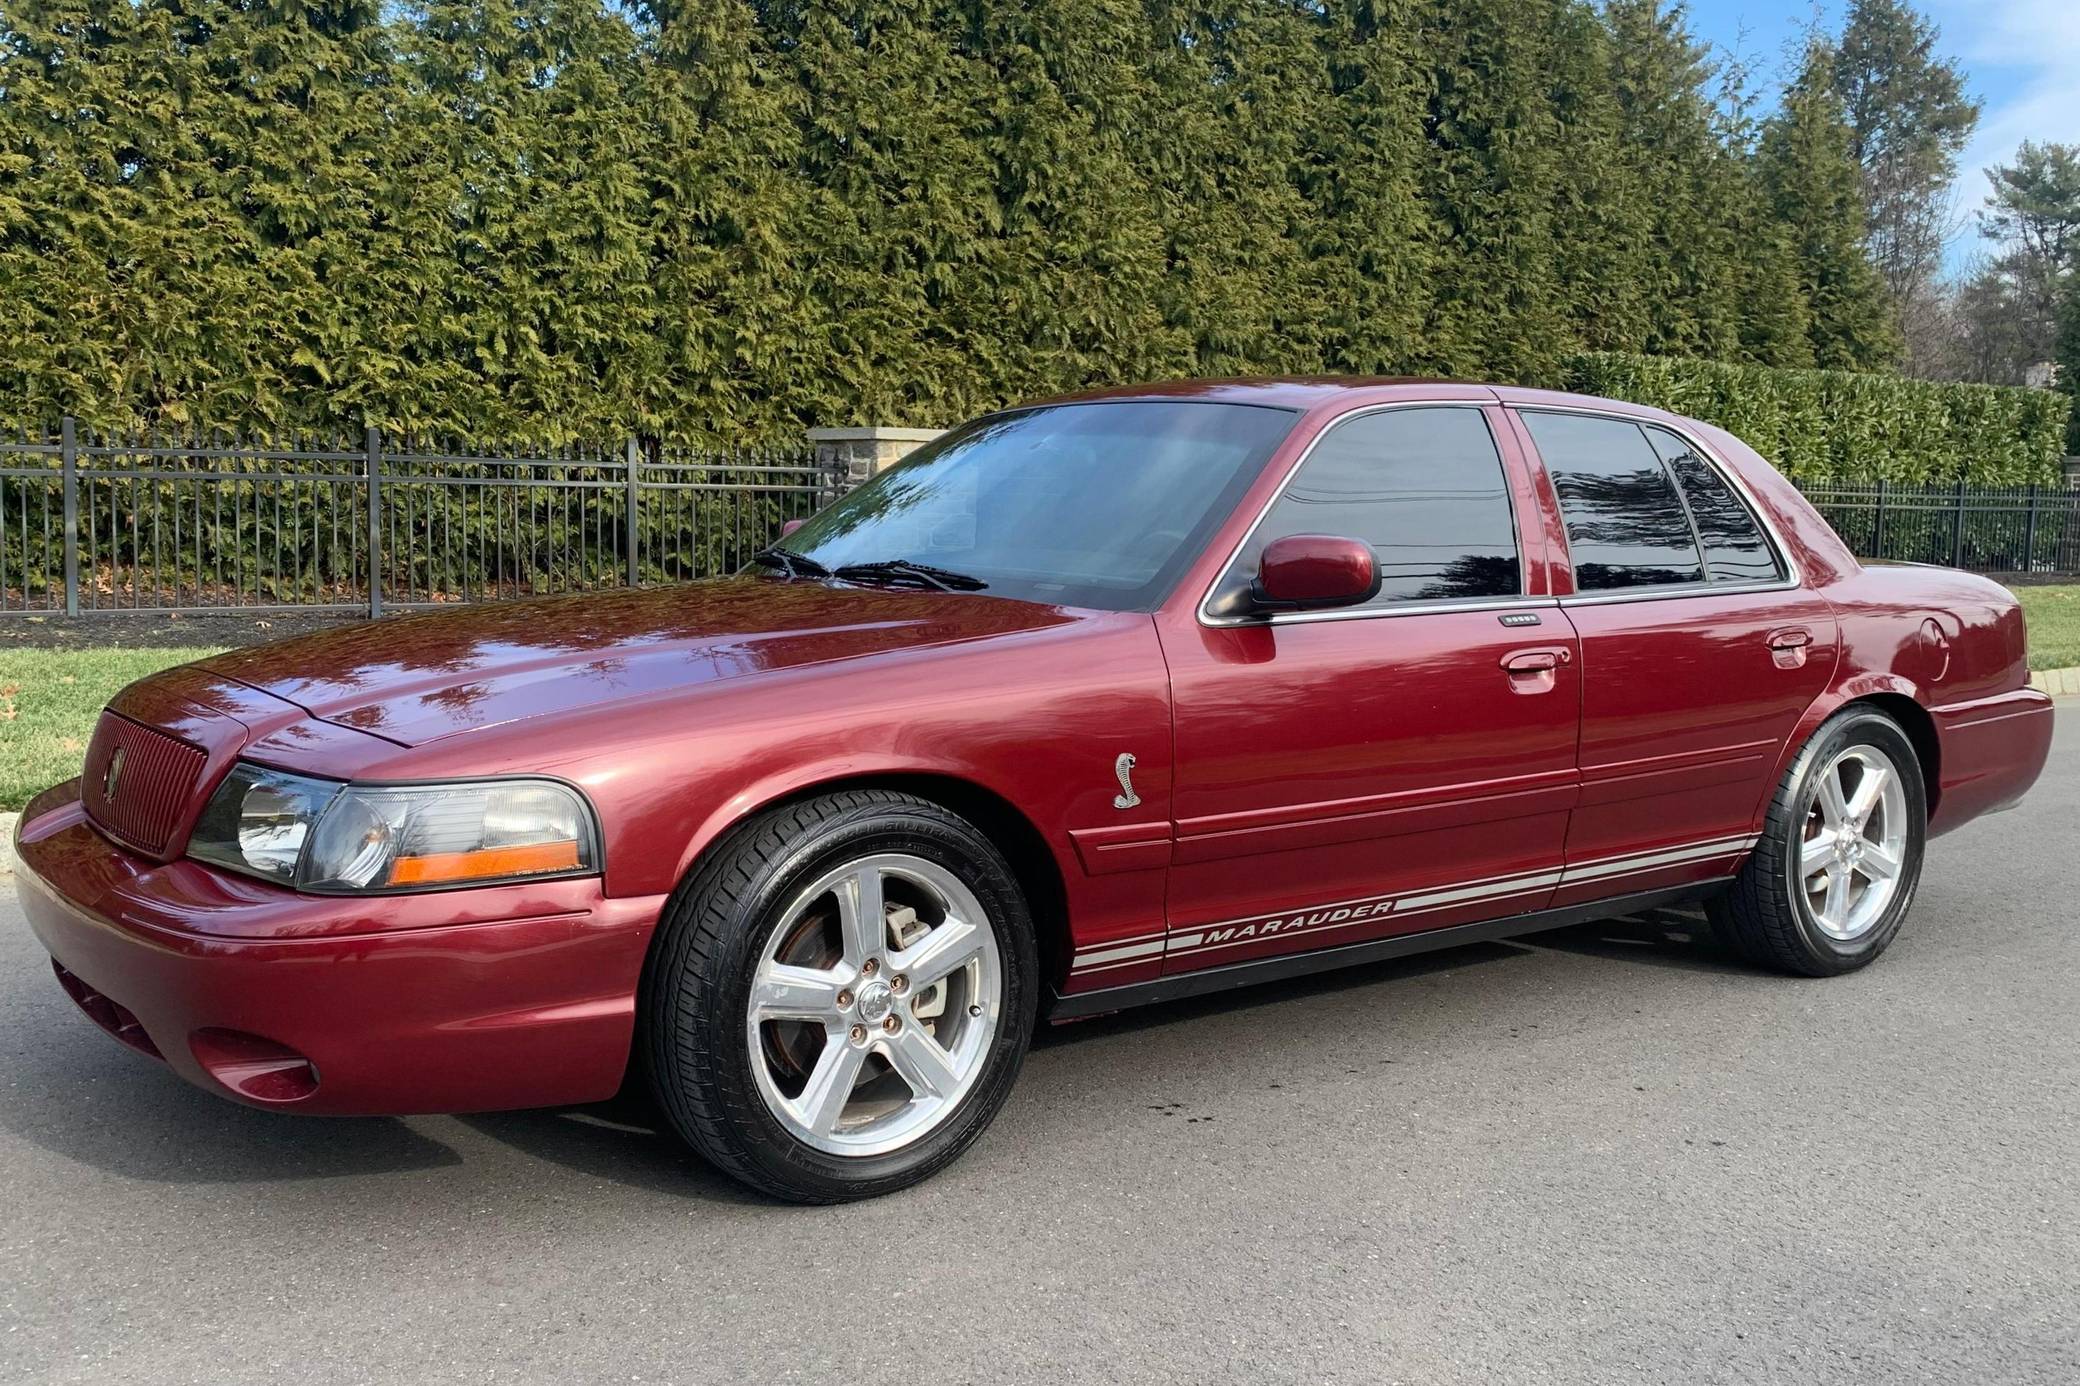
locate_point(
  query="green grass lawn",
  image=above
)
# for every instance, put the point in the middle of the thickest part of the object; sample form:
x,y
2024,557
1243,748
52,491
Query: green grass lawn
x,y
48,702
2053,614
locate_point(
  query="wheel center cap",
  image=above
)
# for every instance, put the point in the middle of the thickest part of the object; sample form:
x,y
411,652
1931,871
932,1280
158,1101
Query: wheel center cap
x,y
875,1002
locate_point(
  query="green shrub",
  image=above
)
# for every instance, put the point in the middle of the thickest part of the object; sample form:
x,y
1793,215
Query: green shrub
x,y
1848,426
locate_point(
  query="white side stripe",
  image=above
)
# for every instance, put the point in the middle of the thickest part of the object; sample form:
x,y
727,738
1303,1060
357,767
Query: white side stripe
x,y
1139,949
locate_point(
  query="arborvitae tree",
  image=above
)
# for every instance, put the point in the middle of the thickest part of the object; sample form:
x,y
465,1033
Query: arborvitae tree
x,y
738,340
1073,280
1612,266
127,292
697,221
1237,86
1812,185
1369,251
1688,187
533,117
1491,184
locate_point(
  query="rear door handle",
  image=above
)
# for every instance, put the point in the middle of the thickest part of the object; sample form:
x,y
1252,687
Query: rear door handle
x,y
1788,646
1532,671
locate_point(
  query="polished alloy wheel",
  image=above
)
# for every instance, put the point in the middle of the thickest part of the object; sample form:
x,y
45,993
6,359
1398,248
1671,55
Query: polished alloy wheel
x,y
874,1005
1855,842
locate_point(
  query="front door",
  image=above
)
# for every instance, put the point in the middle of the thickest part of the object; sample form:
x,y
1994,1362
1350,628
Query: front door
x,y
1699,654
1408,764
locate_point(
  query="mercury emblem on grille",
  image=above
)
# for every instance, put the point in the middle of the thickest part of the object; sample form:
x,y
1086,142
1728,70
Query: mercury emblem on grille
x,y
115,773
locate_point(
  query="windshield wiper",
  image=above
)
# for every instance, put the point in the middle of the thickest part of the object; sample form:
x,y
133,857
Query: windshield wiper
x,y
900,569
789,562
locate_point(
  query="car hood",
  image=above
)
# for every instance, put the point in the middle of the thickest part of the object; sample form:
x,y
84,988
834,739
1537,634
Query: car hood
x,y
419,678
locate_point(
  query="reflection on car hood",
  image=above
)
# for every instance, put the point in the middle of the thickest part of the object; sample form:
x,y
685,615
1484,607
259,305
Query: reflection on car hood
x,y
413,679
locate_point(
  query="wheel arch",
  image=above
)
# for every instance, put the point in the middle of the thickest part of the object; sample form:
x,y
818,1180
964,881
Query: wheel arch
x,y
1920,729
1897,698
1033,863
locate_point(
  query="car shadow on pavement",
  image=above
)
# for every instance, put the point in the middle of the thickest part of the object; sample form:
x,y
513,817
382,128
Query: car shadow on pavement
x,y
1678,938
128,1115
623,1139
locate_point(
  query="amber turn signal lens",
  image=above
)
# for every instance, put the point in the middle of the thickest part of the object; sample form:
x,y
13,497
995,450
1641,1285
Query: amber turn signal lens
x,y
534,859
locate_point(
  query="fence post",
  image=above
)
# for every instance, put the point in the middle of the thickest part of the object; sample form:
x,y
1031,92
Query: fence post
x,y
2029,532
631,455
68,465
1957,536
1878,525
374,444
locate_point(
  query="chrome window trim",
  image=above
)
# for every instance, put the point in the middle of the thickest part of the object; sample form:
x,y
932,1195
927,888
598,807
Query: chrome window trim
x,y
1367,613
1792,577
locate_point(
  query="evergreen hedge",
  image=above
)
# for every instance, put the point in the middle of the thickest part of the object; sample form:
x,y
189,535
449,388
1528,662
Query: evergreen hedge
x,y
1850,426
723,221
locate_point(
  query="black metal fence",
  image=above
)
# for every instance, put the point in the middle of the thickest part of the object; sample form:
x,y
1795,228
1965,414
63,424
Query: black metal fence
x,y
2033,529
93,524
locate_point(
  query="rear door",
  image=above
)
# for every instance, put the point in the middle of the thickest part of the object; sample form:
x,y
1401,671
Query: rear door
x,y
1403,765
1700,652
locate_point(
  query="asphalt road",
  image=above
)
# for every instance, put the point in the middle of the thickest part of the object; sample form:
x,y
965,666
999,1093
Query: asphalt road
x,y
1609,1156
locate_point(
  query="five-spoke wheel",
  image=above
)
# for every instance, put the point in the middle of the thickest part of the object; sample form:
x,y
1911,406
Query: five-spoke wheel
x,y
841,995
1827,886
1855,842
874,1005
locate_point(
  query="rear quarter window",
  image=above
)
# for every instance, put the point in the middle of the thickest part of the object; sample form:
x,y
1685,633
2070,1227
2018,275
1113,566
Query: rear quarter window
x,y
1626,523
1735,548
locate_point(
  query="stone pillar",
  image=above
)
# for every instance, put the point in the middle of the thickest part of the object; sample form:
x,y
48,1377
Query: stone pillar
x,y
866,451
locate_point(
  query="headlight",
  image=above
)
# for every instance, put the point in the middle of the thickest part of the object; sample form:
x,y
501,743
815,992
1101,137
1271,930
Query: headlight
x,y
322,836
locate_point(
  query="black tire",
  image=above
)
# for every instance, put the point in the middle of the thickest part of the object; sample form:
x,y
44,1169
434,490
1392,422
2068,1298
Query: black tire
x,y
697,986
1766,915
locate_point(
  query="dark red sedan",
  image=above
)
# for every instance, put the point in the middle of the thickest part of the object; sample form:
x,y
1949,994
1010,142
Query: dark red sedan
x,y
1086,704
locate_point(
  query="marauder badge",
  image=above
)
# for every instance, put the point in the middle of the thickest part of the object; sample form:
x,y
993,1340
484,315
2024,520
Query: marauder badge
x,y
1124,768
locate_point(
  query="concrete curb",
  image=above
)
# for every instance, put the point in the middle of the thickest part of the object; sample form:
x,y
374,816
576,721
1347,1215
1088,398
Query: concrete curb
x,y
2059,683
7,844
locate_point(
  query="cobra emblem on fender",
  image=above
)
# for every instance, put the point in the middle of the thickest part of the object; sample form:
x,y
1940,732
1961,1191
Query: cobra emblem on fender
x,y
1124,768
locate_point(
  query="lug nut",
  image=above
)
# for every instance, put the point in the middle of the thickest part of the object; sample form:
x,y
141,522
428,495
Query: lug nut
x,y
870,967
844,998
859,1034
899,984
891,1025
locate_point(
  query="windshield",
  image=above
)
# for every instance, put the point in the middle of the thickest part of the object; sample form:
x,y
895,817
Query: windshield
x,y
1099,505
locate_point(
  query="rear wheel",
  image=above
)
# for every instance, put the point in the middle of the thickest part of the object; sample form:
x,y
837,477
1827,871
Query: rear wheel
x,y
841,997
1832,879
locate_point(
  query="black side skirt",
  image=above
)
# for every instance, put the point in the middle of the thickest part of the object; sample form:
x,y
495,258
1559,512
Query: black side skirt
x,y
1242,974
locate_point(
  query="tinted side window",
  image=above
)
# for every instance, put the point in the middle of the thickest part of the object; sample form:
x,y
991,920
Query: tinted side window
x,y
1734,547
1424,487
1625,524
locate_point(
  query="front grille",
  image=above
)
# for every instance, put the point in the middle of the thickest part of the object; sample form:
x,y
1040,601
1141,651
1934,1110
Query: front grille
x,y
152,785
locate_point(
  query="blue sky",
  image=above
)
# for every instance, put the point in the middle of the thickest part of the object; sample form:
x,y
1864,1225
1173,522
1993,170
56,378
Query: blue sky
x,y
2021,57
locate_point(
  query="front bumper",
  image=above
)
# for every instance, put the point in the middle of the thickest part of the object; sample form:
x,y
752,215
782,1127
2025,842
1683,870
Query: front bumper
x,y
467,1000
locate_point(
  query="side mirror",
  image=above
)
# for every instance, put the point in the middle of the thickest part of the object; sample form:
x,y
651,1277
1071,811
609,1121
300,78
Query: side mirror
x,y
1306,571
791,526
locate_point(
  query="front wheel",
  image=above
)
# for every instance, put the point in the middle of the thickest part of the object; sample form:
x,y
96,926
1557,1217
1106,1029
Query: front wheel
x,y
1829,884
841,996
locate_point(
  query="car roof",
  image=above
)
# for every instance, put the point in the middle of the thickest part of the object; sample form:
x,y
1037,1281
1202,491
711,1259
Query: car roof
x,y
1310,392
